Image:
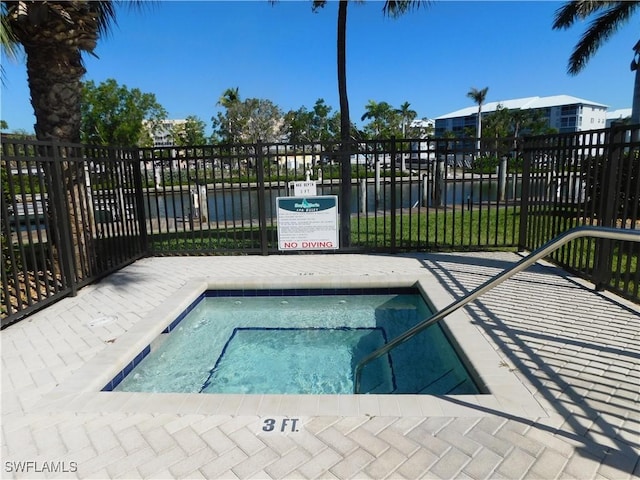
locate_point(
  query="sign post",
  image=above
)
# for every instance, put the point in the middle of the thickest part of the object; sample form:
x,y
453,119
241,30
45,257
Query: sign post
x,y
307,223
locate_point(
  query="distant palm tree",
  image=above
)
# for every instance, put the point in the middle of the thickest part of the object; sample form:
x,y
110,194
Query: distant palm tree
x,y
609,16
407,115
229,97
478,96
379,114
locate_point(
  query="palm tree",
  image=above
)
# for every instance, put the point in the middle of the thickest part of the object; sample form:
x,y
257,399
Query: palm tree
x,y
609,16
407,115
392,8
54,34
229,97
383,119
478,96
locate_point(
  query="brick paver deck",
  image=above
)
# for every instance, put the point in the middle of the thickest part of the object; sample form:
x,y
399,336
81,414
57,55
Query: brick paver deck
x,y
577,350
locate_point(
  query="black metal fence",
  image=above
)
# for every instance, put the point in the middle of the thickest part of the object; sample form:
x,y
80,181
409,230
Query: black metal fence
x,y
72,214
405,195
585,178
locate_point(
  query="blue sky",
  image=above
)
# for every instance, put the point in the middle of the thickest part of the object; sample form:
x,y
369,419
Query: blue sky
x,y
188,53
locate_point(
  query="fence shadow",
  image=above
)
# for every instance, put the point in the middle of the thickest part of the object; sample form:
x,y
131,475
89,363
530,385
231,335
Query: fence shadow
x,y
569,355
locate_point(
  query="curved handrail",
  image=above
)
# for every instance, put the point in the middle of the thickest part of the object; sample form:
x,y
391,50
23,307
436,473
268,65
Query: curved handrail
x,y
543,251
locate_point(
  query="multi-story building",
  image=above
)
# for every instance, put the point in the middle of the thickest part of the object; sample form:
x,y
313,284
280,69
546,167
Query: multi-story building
x,y
161,134
563,112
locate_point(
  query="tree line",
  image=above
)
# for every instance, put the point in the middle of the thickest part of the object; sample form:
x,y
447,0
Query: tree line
x,y
113,114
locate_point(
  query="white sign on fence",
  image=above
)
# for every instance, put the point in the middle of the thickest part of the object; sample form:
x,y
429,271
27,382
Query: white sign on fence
x,y
303,189
307,223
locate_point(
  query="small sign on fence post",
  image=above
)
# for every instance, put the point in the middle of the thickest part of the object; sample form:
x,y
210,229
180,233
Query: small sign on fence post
x,y
303,189
307,223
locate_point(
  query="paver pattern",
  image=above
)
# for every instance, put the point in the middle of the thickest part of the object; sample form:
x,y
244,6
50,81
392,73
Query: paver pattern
x,y
579,351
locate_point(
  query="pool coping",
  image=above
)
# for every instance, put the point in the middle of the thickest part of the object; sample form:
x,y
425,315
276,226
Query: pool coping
x,y
509,394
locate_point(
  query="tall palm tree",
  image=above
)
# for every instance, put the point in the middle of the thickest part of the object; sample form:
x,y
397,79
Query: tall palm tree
x,y
392,8
54,34
609,16
478,96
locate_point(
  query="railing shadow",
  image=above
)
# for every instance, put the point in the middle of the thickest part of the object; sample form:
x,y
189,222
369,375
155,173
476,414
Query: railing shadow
x,y
536,365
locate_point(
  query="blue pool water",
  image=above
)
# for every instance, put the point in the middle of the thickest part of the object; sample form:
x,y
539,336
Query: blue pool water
x,y
294,343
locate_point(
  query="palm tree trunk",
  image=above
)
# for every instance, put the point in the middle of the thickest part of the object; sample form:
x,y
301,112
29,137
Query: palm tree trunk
x,y
345,128
54,76
479,128
635,110
56,90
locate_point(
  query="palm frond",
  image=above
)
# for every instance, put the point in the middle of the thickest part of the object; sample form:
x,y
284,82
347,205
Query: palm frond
x,y
575,10
318,4
396,8
599,30
8,41
106,16
478,96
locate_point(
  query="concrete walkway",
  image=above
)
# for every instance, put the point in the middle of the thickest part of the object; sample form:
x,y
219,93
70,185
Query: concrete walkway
x,y
577,352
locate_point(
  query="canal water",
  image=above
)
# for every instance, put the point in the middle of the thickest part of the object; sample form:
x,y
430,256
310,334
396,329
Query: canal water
x,y
233,204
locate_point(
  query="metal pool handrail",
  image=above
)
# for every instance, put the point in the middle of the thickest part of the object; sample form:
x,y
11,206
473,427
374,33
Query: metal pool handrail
x,y
543,251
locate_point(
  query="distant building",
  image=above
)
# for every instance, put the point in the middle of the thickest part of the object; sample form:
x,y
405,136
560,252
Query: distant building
x,y
563,112
424,124
616,116
161,134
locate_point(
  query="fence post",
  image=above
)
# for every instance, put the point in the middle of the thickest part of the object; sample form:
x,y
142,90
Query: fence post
x,y
525,151
608,208
502,179
377,183
437,190
139,196
262,212
393,193
62,221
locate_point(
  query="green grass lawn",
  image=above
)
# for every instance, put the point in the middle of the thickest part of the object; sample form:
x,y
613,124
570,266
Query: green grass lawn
x,y
441,230
450,230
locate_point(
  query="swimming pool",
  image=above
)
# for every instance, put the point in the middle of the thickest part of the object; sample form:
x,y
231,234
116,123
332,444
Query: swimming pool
x,y
501,387
298,341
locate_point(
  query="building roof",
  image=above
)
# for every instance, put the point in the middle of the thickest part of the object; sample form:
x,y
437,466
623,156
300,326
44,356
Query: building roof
x,y
522,103
422,123
619,114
